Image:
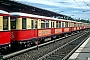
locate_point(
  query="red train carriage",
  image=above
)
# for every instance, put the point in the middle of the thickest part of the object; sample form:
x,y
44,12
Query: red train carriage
x,y
27,29
62,27
4,30
86,25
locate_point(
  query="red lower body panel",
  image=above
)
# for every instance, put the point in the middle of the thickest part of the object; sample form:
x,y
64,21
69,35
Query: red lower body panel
x,y
77,28
44,32
58,30
24,34
4,37
52,30
19,35
66,30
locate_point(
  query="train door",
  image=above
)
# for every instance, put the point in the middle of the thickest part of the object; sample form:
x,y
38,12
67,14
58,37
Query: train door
x,y
52,27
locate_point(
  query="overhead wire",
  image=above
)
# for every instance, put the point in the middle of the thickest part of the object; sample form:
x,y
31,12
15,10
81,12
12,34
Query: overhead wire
x,y
81,8
86,5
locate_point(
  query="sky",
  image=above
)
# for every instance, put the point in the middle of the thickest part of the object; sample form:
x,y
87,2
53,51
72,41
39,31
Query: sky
x,y
73,8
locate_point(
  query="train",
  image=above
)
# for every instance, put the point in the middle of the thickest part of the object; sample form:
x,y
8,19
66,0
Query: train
x,y
19,29
4,30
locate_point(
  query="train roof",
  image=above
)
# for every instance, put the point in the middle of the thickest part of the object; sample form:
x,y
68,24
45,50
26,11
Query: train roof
x,y
35,16
3,12
27,15
23,14
74,21
79,22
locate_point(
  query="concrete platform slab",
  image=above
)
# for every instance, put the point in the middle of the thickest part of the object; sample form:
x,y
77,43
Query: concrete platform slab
x,y
83,52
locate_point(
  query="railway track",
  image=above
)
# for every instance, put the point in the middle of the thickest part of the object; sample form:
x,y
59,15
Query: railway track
x,y
65,51
43,49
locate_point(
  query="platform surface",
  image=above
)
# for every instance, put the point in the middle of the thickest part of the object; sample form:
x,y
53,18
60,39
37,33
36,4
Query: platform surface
x,y
83,52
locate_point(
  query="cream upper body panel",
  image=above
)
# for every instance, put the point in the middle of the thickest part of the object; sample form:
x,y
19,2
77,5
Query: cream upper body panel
x,y
4,21
39,18
1,23
35,16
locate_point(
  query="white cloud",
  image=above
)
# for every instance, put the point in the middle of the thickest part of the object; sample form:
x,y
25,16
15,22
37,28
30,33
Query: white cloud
x,y
45,2
69,3
75,11
78,4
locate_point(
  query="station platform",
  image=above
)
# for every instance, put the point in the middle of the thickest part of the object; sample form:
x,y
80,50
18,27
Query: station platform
x,y
83,52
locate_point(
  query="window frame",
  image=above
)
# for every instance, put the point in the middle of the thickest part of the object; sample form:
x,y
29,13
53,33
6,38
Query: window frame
x,y
63,24
23,23
47,24
14,21
44,23
52,24
7,26
34,24
66,24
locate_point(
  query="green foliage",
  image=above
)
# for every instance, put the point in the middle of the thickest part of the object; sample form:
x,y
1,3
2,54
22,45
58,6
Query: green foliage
x,y
82,20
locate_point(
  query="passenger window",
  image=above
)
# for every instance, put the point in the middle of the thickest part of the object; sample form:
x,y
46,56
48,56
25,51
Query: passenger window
x,y
34,24
74,24
57,24
69,24
13,23
80,24
62,24
47,24
42,23
52,24
5,23
23,23
66,24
